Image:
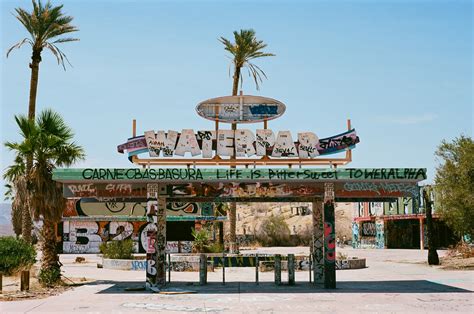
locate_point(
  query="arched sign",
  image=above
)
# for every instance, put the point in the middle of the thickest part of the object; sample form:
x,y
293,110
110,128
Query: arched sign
x,y
240,109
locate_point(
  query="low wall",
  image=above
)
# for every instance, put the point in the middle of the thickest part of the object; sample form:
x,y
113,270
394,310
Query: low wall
x,y
191,263
178,263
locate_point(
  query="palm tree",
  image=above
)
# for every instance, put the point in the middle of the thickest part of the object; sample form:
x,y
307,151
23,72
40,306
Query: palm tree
x,y
17,192
45,24
245,49
49,141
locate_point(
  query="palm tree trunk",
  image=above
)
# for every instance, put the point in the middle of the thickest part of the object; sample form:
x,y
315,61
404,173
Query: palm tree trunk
x,y
26,222
236,77
50,258
34,65
233,206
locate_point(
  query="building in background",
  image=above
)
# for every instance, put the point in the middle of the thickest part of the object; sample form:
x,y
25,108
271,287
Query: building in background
x,y
398,224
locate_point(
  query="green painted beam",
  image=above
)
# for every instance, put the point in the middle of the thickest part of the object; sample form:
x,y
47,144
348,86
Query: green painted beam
x,y
185,175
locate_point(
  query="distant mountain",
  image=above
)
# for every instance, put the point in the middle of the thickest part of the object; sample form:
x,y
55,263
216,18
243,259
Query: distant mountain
x,y
6,227
5,213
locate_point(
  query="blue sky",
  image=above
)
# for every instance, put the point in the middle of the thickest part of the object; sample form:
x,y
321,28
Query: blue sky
x,y
401,70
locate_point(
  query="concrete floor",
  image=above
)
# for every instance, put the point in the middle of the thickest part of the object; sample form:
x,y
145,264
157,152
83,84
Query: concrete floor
x,y
394,281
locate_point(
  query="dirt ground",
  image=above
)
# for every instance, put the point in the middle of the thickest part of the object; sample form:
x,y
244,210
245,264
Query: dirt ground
x,y
11,287
457,262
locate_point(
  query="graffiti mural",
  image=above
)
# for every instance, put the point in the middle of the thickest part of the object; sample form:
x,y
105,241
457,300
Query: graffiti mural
x,y
151,235
355,235
368,229
87,236
318,245
342,264
230,190
160,243
88,206
380,234
329,237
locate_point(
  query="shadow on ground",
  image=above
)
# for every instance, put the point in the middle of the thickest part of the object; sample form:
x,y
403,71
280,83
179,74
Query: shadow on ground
x,y
399,286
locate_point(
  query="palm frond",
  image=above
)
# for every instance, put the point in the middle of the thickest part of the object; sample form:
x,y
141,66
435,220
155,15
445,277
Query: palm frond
x,y
46,23
19,44
245,48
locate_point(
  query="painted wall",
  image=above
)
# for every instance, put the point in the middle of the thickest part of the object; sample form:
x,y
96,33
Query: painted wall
x,y
81,236
87,236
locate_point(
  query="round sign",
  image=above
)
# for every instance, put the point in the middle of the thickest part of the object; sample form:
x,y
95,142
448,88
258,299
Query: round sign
x,y
240,109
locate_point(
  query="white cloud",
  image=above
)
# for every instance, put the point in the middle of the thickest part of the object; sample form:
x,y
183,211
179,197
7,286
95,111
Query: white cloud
x,y
415,119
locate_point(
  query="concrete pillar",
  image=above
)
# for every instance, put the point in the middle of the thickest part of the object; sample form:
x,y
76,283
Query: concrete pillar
x,y
291,269
202,269
161,242
156,238
317,243
379,234
329,237
355,235
277,269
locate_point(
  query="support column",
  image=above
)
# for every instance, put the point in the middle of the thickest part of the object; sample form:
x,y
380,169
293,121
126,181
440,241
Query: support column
x,y
318,243
156,239
355,235
422,234
379,234
329,238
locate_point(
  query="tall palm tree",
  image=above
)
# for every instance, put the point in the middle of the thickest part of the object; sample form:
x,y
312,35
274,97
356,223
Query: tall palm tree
x,y
49,141
245,49
46,23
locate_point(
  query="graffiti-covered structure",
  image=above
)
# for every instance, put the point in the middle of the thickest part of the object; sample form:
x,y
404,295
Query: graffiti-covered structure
x,y
398,223
90,221
174,178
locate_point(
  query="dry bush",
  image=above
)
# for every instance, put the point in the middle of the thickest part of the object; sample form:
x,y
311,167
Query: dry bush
x,y
462,249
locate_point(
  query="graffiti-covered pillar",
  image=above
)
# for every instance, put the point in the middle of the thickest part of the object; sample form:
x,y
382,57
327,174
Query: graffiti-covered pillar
x,y
355,235
379,233
317,242
156,238
329,237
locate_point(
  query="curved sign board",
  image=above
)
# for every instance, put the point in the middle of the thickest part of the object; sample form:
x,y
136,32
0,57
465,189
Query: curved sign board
x,y
240,109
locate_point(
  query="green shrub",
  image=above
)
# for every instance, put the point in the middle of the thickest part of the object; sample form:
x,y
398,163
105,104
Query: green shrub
x,y
215,248
201,240
117,249
49,277
15,255
274,231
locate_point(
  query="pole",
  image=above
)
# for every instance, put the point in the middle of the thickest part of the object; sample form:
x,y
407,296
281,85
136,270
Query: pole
x,y
278,269
25,280
223,268
202,269
256,268
169,267
291,269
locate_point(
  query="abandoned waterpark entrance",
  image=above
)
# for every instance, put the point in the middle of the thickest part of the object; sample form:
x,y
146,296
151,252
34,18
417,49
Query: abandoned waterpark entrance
x,y
206,180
